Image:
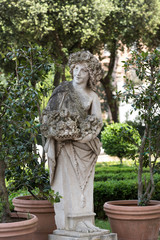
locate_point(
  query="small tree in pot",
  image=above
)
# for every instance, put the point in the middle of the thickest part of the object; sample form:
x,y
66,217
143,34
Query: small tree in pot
x,y
20,225
4,204
146,99
140,219
21,91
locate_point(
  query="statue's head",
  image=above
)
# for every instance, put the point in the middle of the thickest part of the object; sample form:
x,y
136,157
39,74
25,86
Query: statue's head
x,y
92,64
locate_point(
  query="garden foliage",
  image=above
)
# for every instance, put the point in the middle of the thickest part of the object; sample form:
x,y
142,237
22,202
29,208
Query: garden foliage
x,y
21,119
118,182
63,27
21,96
145,99
121,140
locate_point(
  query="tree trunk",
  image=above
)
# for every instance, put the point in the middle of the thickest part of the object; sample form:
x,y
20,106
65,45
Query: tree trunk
x,y
63,73
60,59
140,168
107,84
57,78
59,74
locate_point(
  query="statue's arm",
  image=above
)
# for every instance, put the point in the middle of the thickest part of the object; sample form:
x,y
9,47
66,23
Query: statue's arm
x,y
96,108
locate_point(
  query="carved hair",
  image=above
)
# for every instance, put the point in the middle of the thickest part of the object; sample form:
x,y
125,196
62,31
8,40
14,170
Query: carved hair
x,y
92,64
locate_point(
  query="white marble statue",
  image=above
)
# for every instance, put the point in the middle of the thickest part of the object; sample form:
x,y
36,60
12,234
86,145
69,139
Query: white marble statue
x,y
71,123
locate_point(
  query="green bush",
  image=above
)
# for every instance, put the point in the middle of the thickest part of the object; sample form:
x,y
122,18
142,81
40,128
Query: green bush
x,y
105,172
116,176
121,140
104,167
114,182
112,190
137,124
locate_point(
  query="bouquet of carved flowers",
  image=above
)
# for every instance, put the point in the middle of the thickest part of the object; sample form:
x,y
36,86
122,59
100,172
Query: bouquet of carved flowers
x,y
63,125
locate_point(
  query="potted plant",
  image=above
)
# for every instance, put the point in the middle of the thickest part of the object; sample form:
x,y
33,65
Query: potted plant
x,y
39,202
20,118
13,226
140,219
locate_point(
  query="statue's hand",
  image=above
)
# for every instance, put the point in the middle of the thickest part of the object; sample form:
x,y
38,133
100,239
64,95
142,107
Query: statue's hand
x,y
77,139
87,138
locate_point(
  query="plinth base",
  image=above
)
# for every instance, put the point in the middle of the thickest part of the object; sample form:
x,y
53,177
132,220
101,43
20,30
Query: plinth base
x,y
72,235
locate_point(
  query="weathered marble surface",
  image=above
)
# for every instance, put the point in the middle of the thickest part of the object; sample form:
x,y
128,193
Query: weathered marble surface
x,y
71,235
71,123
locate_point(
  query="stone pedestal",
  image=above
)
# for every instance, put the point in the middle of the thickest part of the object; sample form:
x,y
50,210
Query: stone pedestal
x,y
74,219
72,235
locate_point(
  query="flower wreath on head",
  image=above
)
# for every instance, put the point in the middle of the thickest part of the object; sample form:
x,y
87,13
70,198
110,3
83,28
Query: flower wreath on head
x,y
92,63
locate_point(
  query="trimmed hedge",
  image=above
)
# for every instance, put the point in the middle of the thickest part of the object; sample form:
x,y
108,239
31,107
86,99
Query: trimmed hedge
x,y
116,176
105,168
112,190
117,183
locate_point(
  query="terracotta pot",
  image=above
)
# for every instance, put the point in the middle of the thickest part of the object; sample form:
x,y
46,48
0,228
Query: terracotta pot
x,y
132,222
43,209
20,230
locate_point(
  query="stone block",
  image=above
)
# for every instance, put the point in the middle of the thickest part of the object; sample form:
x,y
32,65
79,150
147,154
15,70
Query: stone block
x,y
71,235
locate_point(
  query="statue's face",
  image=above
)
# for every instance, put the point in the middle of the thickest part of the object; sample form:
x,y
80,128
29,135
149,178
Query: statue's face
x,y
80,74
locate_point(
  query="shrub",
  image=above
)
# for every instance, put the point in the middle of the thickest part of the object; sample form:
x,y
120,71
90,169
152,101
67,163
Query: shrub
x,y
105,168
112,190
137,124
121,140
118,182
114,176
119,190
